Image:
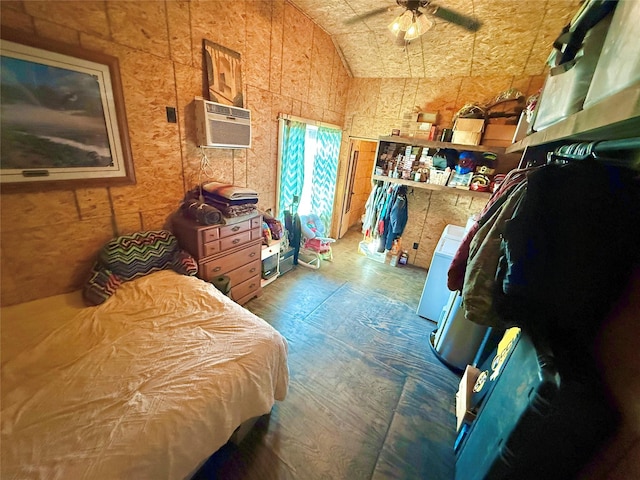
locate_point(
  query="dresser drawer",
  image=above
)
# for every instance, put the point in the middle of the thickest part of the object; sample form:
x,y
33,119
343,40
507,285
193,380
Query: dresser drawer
x,y
225,263
244,273
245,289
211,248
235,240
210,234
228,230
256,222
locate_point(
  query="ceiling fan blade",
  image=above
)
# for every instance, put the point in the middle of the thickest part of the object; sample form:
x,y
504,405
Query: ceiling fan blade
x,y
469,23
365,16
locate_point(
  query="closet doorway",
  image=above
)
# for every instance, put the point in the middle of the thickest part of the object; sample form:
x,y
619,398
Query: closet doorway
x,y
307,167
357,182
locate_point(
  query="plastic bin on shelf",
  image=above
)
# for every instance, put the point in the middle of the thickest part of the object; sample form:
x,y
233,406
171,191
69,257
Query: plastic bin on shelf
x,y
619,63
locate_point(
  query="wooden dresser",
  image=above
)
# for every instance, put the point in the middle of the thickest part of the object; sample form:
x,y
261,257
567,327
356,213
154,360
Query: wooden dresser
x,y
233,249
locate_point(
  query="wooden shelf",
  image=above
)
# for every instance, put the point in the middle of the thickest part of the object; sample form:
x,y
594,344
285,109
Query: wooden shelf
x,y
431,186
615,117
421,142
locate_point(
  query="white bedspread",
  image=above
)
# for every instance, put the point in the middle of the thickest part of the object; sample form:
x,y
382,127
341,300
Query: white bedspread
x,y
146,385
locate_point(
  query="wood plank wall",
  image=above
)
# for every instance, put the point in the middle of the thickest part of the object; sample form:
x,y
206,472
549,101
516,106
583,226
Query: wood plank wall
x,y
49,238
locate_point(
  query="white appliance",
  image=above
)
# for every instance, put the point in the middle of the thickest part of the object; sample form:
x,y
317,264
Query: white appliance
x,y
222,126
435,292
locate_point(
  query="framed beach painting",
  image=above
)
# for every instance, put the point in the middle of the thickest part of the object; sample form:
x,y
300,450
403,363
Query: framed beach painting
x,y
62,116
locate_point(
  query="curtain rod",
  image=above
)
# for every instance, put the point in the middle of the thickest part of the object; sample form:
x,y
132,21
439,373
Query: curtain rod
x,y
285,116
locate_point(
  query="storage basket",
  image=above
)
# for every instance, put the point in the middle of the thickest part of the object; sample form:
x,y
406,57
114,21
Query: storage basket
x,y
438,177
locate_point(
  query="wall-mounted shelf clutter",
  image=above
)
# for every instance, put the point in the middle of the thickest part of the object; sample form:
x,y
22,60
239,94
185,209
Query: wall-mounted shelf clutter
x,y
431,186
397,146
615,117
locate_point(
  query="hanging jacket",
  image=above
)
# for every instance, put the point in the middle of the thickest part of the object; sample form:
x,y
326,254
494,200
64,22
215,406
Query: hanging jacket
x,y
484,254
456,273
399,214
368,223
569,251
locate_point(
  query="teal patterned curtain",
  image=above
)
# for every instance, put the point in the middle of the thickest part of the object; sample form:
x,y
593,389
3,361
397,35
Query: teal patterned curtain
x,y
291,164
325,173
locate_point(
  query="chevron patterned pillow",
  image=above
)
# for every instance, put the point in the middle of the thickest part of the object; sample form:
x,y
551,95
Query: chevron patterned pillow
x,y
131,256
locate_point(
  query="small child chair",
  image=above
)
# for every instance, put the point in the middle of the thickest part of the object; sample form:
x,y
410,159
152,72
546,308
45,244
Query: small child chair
x,y
313,236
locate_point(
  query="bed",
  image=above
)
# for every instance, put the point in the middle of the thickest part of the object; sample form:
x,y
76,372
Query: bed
x,y
146,385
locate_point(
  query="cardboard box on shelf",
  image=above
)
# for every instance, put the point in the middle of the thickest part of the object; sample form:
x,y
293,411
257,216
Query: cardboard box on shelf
x,y
463,397
469,124
428,117
466,138
498,135
468,131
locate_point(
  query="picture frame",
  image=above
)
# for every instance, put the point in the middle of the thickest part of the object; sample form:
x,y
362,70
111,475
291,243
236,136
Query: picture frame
x,y
62,116
223,73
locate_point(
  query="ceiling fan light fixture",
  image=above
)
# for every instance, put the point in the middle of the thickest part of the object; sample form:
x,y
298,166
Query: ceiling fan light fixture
x,y
410,25
402,23
424,23
412,32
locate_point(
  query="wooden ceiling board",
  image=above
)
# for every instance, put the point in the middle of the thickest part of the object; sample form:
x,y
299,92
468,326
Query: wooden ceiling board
x,y
440,47
558,14
330,15
515,37
361,52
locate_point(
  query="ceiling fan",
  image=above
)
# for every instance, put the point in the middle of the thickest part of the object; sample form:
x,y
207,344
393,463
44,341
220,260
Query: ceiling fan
x,y
415,19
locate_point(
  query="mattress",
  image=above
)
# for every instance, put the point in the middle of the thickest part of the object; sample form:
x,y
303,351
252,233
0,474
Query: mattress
x,y
146,385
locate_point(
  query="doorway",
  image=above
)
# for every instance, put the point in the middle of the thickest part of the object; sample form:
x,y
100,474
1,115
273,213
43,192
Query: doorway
x,y
357,182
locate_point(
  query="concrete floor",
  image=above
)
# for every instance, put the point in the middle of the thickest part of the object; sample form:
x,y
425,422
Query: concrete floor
x,y
367,397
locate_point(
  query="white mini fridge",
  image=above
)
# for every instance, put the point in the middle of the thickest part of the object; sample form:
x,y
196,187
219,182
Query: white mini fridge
x,y
435,292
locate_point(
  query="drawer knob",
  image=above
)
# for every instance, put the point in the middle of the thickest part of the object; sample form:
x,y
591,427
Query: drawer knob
x,y
217,269
236,228
236,241
252,285
253,254
252,270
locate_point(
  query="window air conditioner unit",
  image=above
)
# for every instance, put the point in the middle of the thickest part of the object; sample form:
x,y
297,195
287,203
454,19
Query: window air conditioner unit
x,y
222,126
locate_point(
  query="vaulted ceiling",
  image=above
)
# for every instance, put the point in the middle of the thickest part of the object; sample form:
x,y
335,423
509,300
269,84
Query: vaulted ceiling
x,y
515,37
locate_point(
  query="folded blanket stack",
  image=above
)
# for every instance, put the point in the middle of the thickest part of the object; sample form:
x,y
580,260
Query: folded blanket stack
x,y
231,200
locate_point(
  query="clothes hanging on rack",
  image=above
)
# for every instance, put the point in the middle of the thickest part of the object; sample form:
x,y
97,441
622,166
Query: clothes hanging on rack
x,y
373,209
393,217
556,253
370,210
570,249
484,256
457,269
386,214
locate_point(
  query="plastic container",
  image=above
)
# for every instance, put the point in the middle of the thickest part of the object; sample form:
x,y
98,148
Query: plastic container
x,y
457,340
438,177
566,87
536,422
619,63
